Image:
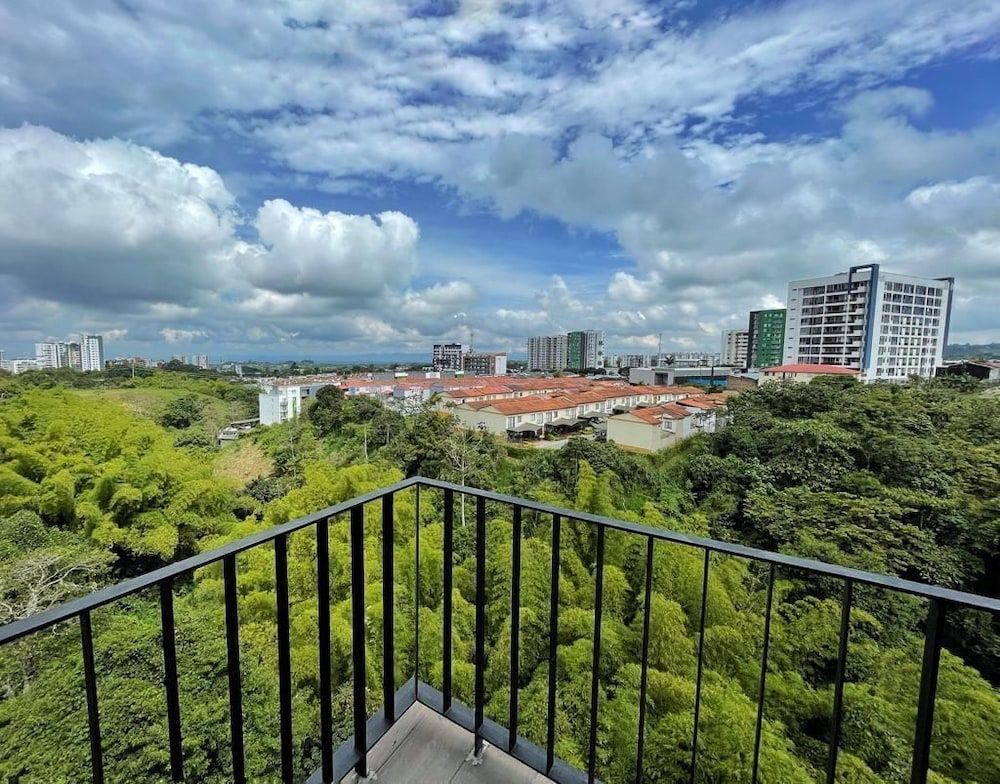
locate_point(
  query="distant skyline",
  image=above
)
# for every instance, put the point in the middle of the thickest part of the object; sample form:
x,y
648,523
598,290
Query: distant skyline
x,y
320,179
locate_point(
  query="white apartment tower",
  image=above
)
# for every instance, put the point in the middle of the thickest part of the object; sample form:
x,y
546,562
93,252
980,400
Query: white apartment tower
x,y
548,352
734,347
50,355
91,352
888,326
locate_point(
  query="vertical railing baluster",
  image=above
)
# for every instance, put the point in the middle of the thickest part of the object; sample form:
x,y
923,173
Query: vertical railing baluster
x,y
284,657
550,734
93,712
763,674
416,600
936,614
838,689
644,677
323,629
358,638
449,525
701,661
388,609
233,667
515,626
170,679
480,687
595,677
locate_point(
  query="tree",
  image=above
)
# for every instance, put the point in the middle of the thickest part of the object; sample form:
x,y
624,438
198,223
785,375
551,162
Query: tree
x,y
471,456
326,411
182,412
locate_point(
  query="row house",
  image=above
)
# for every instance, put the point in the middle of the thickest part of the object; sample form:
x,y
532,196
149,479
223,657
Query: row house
x,y
523,415
652,428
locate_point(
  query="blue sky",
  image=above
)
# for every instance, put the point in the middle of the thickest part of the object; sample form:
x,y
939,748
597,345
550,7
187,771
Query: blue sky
x,y
321,179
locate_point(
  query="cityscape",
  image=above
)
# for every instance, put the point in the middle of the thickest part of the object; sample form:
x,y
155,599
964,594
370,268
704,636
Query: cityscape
x,y
492,392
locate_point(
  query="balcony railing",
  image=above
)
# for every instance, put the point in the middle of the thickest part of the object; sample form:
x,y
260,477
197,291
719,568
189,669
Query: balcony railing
x,y
369,728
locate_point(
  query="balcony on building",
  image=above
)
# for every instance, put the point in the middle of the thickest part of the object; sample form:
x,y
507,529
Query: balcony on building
x,y
407,724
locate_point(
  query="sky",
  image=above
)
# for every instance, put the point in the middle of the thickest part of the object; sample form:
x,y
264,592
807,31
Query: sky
x,y
319,179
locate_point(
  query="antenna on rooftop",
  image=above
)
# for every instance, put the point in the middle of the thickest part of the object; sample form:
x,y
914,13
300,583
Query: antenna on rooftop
x,y
659,349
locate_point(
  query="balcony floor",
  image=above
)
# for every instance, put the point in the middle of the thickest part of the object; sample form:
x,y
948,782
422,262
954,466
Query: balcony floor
x,y
427,748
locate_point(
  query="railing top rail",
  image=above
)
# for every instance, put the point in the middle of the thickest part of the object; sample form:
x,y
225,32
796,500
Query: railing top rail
x,y
925,590
112,593
63,612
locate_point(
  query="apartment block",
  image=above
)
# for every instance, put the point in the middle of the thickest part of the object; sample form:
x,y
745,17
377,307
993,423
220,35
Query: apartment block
x,y
447,356
548,352
734,347
92,352
888,326
585,349
484,363
766,340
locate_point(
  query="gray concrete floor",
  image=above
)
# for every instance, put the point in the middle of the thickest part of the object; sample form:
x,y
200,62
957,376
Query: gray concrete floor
x,y
425,748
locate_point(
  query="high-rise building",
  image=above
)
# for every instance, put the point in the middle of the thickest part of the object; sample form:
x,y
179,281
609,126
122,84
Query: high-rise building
x,y
888,326
766,337
92,352
585,349
734,347
52,354
200,360
485,363
74,355
447,356
547,352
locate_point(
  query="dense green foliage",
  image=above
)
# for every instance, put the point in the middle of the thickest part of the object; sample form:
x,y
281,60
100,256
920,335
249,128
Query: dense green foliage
x,y
902,480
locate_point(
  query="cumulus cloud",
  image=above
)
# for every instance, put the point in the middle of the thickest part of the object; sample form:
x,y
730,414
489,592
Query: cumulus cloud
x,y
626,119
331,254
102,221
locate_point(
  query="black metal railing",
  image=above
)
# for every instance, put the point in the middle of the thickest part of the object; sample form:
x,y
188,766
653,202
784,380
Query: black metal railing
x,y
368,729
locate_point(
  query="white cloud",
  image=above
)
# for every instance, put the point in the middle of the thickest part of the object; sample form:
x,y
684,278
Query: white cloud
x,y
511,111
331,254
104,221
171,335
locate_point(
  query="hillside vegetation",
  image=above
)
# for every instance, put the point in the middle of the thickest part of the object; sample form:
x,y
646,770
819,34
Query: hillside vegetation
x,y
99,485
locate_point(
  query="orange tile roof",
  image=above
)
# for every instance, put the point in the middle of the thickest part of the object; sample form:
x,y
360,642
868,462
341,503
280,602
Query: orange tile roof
x,y
654,414
704,402
531,404
478,391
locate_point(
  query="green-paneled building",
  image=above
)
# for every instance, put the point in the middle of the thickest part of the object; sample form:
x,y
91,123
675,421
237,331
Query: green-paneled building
x,y
767,337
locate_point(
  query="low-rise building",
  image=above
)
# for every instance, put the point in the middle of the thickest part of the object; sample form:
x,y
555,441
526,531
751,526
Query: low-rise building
x,y
485,363
524,415
983,369
653,428
16,366
803,373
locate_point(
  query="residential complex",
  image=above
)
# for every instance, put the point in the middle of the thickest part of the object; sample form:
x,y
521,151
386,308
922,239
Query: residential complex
x,y
766,337
887,326
86,354
514,410
447,356
579,350
734,348
548,353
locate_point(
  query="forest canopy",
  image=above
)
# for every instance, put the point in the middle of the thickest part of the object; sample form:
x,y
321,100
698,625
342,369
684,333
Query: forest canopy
x,y
100,484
